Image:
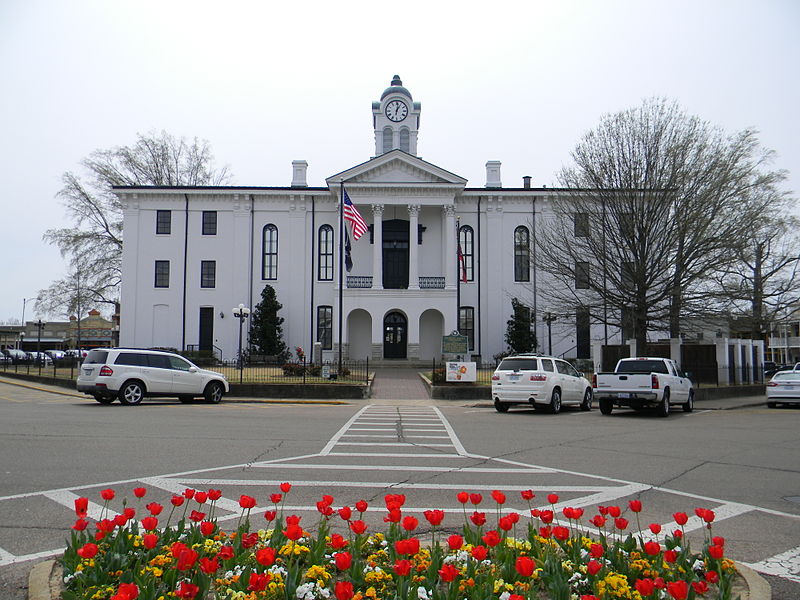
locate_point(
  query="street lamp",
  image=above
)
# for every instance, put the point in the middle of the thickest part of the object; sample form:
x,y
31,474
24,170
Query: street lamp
x,y
39,326
241,312
24,303
549,317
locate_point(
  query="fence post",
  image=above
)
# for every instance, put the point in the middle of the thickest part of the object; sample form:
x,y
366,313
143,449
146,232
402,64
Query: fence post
x,y
366,375
304,370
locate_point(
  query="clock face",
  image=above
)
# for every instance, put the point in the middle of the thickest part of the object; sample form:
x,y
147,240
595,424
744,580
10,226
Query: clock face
x,y
396,110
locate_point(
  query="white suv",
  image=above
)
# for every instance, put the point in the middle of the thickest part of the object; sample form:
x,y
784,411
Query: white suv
x,y
539,381
131,374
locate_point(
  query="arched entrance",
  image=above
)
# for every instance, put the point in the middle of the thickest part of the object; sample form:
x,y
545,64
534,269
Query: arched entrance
x,y
395,335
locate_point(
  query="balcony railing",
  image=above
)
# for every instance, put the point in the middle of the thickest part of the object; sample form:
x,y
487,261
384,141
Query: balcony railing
x,y
359,281
431,283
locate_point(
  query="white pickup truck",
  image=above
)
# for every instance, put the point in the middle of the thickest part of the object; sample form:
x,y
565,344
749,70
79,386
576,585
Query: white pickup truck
x,y
641,382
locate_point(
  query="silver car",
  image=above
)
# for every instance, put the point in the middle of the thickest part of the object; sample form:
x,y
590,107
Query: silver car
x,y
784,388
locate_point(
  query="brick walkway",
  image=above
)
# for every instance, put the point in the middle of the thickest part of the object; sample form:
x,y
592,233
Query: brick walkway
x,y
398,384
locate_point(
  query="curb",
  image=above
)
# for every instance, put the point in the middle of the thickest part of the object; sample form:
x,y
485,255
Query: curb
x,y
44,583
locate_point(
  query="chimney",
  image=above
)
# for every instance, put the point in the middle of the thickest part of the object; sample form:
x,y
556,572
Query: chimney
x,y
526,182
493,174
299,169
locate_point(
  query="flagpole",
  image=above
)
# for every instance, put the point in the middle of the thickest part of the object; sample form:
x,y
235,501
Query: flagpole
x,y
458,275
341,265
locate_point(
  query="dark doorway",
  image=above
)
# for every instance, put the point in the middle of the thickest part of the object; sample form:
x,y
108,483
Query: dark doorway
x,y
395,254
206,328
395,328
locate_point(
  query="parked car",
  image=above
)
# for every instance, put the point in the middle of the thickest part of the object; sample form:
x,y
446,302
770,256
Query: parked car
x,y
539,381
39,358
18,357
642,382
132,374
55,354
784,387
5,358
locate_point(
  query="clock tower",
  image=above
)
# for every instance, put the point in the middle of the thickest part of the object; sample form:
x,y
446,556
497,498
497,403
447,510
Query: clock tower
x,y
396,120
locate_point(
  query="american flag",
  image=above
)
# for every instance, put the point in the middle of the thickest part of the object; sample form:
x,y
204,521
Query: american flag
x,y
351,214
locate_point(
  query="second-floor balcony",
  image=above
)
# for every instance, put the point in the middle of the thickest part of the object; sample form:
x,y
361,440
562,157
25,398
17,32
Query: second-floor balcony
x,y
365,282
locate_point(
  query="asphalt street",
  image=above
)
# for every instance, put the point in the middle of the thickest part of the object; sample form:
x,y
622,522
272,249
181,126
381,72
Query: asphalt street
x,y
741,463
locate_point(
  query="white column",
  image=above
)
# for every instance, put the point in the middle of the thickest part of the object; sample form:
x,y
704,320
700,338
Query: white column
x,y
413,248
449,246
377,247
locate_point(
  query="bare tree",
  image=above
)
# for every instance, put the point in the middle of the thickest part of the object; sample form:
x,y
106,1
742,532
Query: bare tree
x,y
667,196
94,244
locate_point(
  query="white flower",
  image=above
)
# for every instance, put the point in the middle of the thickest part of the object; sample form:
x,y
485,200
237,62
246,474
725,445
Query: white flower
x,y
505,595
698,565
422,593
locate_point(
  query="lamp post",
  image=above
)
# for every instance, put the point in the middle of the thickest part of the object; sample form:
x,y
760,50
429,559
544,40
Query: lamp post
x,y
241,312
549,318
39,326
24,303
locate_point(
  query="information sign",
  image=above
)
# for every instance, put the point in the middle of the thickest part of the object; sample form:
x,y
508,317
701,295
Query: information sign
x,y
464,372
455,344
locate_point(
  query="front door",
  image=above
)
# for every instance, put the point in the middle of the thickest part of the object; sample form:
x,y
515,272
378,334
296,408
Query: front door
x,y
395,254
395,335
206,328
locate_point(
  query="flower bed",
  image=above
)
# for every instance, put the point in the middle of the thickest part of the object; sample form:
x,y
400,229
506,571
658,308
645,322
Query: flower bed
x,y
140,554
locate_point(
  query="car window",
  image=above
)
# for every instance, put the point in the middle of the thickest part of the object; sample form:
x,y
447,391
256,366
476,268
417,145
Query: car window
x,y
159,361
547,365
519,364
178,363
96,357
642,366
786,375
563,367
134,359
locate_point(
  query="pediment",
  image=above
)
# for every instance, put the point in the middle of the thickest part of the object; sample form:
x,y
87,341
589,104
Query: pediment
x,y
397,167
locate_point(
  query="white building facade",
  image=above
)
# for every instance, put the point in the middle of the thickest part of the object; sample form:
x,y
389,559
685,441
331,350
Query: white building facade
x,y
191,254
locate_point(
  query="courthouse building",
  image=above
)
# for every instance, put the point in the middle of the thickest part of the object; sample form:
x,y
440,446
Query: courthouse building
x,y
191,254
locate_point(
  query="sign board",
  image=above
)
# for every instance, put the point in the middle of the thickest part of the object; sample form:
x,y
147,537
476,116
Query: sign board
x,y
461,371
326,371
455,344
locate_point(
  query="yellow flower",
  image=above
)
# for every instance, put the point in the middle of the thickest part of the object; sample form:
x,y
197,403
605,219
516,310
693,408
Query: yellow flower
x,y
319,573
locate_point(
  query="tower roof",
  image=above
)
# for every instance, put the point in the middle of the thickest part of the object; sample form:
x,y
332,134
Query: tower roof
x,y
396,87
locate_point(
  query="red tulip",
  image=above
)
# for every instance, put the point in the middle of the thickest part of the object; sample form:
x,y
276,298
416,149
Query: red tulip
x,y
187,559
265,556
80,524
718,541
700,587
345,513
343,590
402,567
448,572
249,540
655,528
678,589
247,501
645,586
652,548
434,517
552,498
596,550
410,523
462,497
88,550
455,542
337,542
585,597
614,511
711,576
293,532
285,487
499,496
149,540
107,494
394,500
527,494
491,538
393,516
478,518
358,526
214,494
275,498
409,546
361,506
225,553
177,500
126,591
598,521
188,493
201,497
149,523
343,560
545,532
270,515
120,520
593,567
209,565
716,552
680,518
155,508
81,506
479,552
670,556
475,499
635,505
258,582
197,516
139,492
561,533
207,528
525,566
187,590
621,523
505,523
546,516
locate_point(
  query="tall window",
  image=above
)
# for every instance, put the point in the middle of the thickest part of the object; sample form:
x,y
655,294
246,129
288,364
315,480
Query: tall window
x,y
388,136
581,224
466,324
522,254
325,326
163,221
325,244
269,249
404,140
209,222
208,273
162,274
582,333
466,239
581,275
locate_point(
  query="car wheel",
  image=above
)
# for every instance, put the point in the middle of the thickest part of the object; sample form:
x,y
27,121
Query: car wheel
x,y
688,406
663,406
772,404
606,406
500,407
103,399
555,402
131,393
214,392
186,399
587,400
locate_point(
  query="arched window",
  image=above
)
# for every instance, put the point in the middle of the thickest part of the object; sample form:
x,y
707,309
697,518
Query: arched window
x,y
269,252
325,243
404,137
522,254
465,239
388,138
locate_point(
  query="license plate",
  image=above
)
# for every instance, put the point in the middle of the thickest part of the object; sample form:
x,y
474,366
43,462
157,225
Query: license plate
x,y
624,395
513,377
788,387
87,371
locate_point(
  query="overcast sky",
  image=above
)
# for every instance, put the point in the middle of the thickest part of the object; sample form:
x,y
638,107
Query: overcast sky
x,y
269,82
